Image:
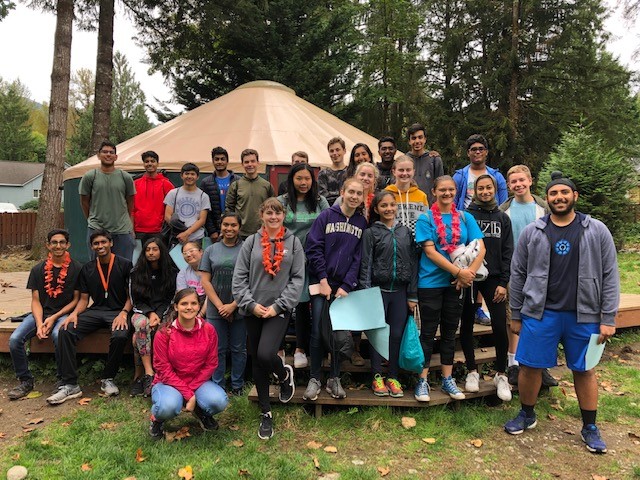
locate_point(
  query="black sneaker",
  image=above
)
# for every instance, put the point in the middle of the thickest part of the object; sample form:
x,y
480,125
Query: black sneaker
x,y
207,422
265,432
512,374
136,388
287,386
237,392
21,390
147,382
547,379
156,429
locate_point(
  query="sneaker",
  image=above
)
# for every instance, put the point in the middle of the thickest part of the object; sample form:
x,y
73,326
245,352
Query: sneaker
x,y
207,422
334,388
592,439
21,390
300,360
449,387
512,374
357,360
287,386
422,390
472,383
156,428
56,386
109,388
482,318
520,423
64,393
547,379
237,392
502,386
265,431
147,383
378,386
312,391
137,389
394,387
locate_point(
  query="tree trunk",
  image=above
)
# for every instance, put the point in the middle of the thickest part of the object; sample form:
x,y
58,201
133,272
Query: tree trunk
x,y
49,209
104,75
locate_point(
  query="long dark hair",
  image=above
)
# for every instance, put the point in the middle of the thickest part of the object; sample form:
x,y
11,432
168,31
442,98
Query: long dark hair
x,y
141,274
373,215
351,168
311,197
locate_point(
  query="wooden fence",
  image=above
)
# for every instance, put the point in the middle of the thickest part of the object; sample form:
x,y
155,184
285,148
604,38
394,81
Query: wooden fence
x,y
18,228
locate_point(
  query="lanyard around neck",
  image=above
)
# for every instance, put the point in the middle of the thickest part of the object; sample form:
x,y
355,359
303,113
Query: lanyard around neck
x,y
105,282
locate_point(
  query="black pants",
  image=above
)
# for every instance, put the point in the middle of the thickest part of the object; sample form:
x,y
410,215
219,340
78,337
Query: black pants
x,y
264,336
89,321
439,306
396,312
303,326
498,312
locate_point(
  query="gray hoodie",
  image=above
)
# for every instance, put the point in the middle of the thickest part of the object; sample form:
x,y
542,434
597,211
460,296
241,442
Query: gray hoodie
x,y
598,280
252,285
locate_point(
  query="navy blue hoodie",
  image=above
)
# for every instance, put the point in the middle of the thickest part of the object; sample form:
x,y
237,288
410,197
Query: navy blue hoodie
x,y
334,248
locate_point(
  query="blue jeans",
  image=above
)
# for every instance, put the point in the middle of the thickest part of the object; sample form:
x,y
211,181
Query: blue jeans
x,y
123,244
168,402
20,336
231,336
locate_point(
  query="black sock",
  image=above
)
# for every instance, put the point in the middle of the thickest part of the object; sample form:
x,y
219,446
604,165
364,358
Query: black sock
x,y
528,410
588,417
477,305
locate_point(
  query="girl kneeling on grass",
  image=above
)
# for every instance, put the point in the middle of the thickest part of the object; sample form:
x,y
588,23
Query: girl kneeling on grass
x,y
389,261
185,355
440,282
267,283
498,241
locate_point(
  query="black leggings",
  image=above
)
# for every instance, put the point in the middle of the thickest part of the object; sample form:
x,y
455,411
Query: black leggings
x,y
396,312
264,336
303,326
439,306
498,312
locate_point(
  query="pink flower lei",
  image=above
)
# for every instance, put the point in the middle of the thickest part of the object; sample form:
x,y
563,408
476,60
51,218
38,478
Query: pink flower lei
x,y
441,228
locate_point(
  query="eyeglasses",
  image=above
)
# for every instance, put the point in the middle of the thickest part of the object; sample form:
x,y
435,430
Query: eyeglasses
x,y
189,252
55,243
477,149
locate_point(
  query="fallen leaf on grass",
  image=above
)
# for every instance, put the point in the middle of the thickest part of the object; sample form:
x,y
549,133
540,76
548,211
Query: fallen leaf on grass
x,y
45,442
86,467
330,449
384,471
234,428
84,401
108,425
564,392
130,478
237,443
316,463
2,434
27,429
569,432
1,410
551,416
186,472
33,394
35,421
243,472
314,445
139,457
598,477
179,435
557,407
476,443
429,441
66,424
408,422
633,436
16,457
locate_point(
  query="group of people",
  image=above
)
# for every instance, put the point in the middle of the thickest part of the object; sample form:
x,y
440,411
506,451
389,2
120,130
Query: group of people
x,y
434,244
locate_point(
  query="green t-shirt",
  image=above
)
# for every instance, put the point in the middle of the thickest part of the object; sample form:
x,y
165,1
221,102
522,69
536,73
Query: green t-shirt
x,y
108,194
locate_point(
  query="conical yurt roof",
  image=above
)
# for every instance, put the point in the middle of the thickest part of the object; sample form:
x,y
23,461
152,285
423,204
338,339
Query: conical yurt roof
x,y
264,115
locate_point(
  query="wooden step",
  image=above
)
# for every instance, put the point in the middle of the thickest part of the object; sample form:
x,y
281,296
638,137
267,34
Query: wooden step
x,y
365,397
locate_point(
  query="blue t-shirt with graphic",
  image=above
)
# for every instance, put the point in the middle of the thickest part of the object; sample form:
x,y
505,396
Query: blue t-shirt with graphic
x,y
223,186
521,215
430,275
562,288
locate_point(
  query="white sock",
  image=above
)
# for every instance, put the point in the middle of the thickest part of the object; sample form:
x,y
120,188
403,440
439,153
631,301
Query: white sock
x,y
511,359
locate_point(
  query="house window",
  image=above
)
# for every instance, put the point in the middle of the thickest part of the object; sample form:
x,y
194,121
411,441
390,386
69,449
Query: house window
x,y
36,194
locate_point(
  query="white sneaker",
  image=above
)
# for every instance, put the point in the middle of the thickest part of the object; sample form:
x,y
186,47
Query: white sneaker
x,y
300,360
502,385
472,383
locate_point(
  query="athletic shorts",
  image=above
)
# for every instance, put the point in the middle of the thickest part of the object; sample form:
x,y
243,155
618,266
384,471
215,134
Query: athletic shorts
x,y
539,340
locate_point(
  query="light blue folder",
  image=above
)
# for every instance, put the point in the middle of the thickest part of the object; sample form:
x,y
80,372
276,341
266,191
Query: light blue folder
x,y
594,352
136,251
176,256
363,310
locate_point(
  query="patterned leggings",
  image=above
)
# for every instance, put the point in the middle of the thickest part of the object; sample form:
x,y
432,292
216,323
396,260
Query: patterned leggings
x,y
142,334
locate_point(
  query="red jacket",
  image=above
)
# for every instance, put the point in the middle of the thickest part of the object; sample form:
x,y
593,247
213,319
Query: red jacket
x,y
185,359
148,206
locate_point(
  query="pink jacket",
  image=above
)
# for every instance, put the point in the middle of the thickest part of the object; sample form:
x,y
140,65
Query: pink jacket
x,y
185,359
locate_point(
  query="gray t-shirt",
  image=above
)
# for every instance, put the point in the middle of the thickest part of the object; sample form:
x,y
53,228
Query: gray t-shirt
x,y
219,260
471,183
188,205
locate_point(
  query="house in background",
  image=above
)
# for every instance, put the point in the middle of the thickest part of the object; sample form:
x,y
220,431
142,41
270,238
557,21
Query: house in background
x,y
20,182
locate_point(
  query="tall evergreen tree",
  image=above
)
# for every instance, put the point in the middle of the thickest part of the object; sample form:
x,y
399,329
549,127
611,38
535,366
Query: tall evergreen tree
x,y
16,140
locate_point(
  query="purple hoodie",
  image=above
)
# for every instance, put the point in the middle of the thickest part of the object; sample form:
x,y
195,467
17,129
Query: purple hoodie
x,y
333,248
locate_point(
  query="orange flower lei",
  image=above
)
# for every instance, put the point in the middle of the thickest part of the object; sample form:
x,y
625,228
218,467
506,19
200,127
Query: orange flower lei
x,y
48,275
272,267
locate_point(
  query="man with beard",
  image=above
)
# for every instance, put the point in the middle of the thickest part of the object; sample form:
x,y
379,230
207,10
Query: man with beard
x,y
572,291
216,186
387,151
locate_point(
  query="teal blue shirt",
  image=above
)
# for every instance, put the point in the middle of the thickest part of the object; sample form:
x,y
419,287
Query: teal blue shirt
x,y
521,215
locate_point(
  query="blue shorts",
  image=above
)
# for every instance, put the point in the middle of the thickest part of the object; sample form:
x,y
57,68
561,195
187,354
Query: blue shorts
x,y
539,340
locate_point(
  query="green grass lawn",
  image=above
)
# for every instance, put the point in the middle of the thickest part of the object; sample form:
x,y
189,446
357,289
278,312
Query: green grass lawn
x,y
629,265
